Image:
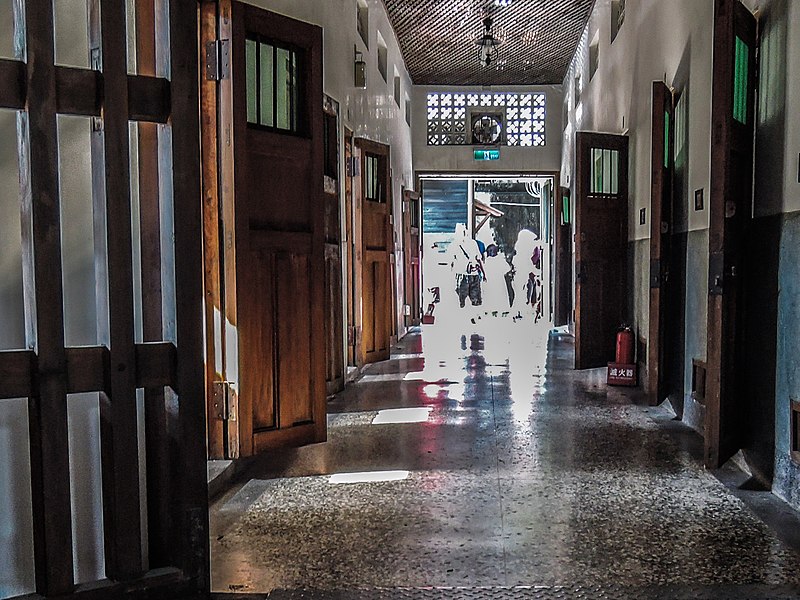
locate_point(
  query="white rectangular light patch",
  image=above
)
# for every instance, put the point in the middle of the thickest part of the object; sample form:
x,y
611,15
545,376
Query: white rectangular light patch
x,y
368,477
402,415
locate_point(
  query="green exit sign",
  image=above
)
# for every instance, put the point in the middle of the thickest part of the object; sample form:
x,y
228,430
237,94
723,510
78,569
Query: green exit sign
x,y
487,154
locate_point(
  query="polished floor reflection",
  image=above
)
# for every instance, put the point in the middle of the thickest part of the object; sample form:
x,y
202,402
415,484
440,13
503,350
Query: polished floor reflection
x,y
482,461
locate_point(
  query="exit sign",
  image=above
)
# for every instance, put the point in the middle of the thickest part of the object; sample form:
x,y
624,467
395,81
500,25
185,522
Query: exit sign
x,y
487,154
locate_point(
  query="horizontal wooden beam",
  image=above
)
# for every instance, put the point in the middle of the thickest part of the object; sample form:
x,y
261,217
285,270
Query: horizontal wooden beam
x,y
88,369
78,91
13,78
156,364
148,99
16,371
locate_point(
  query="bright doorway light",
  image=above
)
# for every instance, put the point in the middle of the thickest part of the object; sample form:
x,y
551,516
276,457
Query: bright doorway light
x,y
368,477
402,415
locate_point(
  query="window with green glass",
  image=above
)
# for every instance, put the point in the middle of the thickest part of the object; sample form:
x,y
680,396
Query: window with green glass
x,y
666,140
740,80
372,186
604,171
273,85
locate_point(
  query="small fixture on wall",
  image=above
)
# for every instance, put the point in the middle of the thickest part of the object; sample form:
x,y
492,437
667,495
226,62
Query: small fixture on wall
x,y
359,70
698,199
642,216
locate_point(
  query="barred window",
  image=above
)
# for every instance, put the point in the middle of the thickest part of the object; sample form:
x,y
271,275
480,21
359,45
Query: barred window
x,y
449,113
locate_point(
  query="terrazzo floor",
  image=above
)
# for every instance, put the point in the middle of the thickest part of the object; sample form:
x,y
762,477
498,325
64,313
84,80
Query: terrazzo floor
x,y
482,465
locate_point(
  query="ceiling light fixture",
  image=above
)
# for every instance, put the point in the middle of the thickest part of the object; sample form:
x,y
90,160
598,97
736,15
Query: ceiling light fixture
x,y
487,44
503,2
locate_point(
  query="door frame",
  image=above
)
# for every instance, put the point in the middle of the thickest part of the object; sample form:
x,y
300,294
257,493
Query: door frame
x,y
409,197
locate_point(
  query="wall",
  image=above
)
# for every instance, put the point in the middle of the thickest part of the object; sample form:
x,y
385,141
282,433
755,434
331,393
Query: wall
x,y
372,112
658,41
672,41
441,159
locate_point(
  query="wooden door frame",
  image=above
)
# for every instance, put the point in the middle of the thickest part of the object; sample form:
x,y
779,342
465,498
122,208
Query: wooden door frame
x,y
350,241
563,265
660,234
728,221
583,146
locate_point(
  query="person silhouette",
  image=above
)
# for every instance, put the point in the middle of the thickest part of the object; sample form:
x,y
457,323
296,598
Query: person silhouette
x,y
467,265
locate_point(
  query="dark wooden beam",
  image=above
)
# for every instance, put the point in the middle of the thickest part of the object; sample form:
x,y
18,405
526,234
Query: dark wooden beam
x,y
148,98
114,276
191,499
87,369
78,91
13,76
155,364
16,373
44,304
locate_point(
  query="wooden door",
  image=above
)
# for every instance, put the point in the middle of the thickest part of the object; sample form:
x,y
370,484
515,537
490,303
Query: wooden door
x,y
350,245
601,245
660,236
412,247
334,346
733,114
563,258
375,250
277,374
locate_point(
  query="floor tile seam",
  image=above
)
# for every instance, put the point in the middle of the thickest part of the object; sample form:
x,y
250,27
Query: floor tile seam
x,y
497,473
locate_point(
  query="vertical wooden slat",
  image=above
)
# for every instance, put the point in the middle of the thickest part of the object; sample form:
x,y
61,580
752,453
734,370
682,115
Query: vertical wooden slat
x,y
191,499
44,316
214,321
113,263
156,441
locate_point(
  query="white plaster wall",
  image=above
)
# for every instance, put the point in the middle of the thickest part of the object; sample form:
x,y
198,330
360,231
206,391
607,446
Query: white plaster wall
x,y
443,159
372,112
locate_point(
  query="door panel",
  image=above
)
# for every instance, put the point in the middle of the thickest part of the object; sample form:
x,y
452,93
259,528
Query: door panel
x,y
280,242
601,245
563,243
730,206
349,219
376,247
411,254
660,236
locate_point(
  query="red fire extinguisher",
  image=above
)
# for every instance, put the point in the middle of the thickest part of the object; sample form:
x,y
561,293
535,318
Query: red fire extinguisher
x,y
625,346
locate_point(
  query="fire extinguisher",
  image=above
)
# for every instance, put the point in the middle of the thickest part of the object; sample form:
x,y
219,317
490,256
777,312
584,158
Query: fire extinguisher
x,y
625,346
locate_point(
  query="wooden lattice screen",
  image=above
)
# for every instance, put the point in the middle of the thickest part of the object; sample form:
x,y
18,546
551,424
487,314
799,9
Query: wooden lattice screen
x,y
163,98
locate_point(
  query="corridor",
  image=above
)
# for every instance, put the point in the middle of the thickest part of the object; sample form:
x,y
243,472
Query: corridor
x,y
482,466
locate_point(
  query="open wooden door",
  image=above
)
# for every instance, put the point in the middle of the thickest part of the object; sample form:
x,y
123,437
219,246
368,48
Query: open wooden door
x,y
412,245
563,258
374,268
269,124
660,236
732,127
601,227
334,335
350,245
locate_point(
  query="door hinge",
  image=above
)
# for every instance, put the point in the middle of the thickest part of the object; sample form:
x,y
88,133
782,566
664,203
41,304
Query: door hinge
x,y
224,405
217,60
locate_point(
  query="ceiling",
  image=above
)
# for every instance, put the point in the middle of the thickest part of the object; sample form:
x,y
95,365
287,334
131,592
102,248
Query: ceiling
x,y
539,39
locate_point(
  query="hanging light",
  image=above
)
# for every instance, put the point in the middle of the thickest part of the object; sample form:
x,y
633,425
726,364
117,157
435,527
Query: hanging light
x,y
487,44
503,2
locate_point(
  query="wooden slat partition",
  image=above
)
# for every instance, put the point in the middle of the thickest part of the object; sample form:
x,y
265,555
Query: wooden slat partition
x,y
114,276
44,313
164,91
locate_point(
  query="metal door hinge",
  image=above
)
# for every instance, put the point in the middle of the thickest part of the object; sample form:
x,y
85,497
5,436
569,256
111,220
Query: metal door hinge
x,y
217,60
224,405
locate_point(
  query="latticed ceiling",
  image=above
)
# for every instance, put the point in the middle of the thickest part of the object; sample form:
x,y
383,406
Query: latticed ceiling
x,y
539,38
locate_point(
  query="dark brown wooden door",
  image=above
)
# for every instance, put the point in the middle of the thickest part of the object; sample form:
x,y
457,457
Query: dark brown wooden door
x,y
334,346
733,114
563,258
412,246
350,244
376,248
660,235
279,208
601,245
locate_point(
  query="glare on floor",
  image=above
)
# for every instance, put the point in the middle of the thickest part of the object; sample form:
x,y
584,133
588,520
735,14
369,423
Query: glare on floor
x,y
368,477
402,415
